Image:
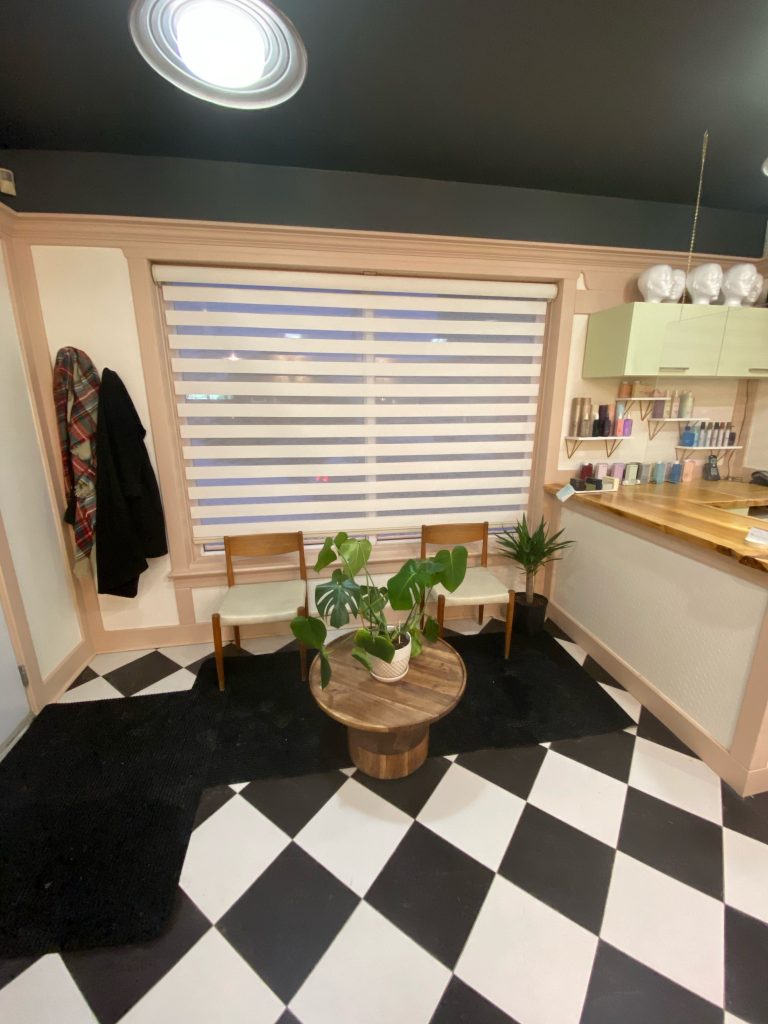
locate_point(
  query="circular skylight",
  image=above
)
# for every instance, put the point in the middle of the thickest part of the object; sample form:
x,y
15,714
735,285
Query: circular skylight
x,y
237,53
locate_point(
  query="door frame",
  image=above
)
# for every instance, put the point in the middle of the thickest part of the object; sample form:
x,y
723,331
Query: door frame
x,y
18,628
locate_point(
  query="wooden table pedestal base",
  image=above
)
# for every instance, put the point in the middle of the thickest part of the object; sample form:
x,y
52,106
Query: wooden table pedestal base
x,y
389,755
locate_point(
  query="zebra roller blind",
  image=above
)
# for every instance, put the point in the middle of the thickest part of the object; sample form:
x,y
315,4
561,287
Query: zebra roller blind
x,y
345,401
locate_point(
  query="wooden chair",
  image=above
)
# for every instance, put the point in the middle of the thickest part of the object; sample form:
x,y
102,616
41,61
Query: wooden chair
x,y
479,586
246,604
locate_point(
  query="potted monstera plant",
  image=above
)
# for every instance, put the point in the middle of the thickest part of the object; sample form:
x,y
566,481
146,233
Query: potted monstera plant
x,y
384,648
531,550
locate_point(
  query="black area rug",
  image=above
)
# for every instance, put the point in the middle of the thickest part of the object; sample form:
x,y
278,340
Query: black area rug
x,y
97,803
270,724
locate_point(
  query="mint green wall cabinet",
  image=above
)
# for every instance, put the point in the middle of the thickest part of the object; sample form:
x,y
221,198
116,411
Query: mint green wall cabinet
x,y
745,345
646,339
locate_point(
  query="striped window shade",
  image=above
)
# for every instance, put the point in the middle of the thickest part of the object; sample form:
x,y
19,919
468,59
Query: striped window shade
x,y
370,404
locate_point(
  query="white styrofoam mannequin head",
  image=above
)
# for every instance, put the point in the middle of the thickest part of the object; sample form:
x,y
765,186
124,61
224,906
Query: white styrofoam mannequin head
x,y
738,282
756,291
704,283
655,283
678,285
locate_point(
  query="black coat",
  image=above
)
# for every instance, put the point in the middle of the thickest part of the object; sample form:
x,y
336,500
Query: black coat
x,y
130,527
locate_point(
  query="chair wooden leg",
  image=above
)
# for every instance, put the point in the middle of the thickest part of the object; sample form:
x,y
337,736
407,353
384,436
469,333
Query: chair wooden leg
x,y
218,648
302,651
508,624
237,635
480,611
440,613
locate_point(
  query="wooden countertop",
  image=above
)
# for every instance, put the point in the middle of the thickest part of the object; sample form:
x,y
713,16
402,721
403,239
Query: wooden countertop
x,y
697,512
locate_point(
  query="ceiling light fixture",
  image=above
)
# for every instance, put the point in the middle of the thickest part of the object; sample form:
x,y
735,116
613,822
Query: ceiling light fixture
x,y
237,53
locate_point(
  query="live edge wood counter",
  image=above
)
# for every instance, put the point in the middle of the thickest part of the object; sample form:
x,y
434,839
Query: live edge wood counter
x,y
697,512
388,723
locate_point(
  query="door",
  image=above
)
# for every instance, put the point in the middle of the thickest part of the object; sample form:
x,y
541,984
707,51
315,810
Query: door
x,y
14,708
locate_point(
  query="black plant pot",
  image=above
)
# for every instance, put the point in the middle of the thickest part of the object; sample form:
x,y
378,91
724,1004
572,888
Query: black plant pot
x,y
529,618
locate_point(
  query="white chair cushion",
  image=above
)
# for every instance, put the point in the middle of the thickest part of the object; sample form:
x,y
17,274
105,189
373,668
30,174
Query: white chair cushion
x,y
479,586
245,604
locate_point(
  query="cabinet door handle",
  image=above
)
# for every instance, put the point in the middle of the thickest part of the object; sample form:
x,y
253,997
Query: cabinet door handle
x,y
668,369
758,369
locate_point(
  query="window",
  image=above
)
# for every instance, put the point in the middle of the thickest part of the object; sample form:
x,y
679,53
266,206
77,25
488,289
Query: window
x,y
337,401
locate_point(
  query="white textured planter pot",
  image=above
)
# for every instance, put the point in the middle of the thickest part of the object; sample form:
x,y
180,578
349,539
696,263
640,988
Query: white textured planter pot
x,y
391,671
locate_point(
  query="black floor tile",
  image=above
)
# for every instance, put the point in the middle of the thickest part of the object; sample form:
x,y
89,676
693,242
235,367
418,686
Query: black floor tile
x,y
597,672
514,769
650,728
462,1005
286,1017
230,651
746,814
85,677
213,798
623,991
12,966
290,803
746,956
561,866
136,675
674,841
113,980
554,630
432,891
285,922
411,793
610,753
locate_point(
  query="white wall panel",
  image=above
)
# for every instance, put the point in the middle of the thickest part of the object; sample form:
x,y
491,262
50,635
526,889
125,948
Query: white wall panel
x,y
27,510
86,299
688,628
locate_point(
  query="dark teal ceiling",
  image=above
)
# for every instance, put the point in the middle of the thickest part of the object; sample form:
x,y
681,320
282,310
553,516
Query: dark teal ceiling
x,y
603,97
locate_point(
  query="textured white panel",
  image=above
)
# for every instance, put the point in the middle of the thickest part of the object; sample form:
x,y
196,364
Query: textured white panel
x,y
154,605
688,628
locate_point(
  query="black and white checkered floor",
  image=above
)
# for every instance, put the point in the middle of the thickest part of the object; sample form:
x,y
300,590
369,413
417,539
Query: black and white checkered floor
x,y
603,880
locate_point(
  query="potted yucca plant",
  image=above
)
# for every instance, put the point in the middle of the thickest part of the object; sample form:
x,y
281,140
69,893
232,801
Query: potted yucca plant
x,y
531,550
383,647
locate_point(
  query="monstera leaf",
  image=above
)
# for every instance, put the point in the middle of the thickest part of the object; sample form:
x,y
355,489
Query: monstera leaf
x,y
408,586
431,629
379,646
355,554
310,632
326,555
338,599
454,567
373,601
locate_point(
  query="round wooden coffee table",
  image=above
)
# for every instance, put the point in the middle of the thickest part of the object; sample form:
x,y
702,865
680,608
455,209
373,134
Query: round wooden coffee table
x,y
388,723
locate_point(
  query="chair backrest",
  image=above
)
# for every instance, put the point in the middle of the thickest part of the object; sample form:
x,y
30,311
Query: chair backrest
x,y
254,545
456,533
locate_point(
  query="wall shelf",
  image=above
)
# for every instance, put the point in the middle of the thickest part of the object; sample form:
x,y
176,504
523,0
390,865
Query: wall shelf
x,y
660,421
572,443
644,404
720,448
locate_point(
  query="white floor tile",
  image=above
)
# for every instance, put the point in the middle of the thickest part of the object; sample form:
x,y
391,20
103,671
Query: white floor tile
x,y
625,700
576,652
473,814
174,683
587,799
95,689
187,654
211,983
103,663
237,786
372,973
227,853
527,959
731,1019
44,994
746,874
354,834
668,926
677,778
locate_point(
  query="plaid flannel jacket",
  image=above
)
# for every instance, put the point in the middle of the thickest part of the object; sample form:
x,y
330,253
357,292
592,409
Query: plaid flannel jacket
x,y
76,396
